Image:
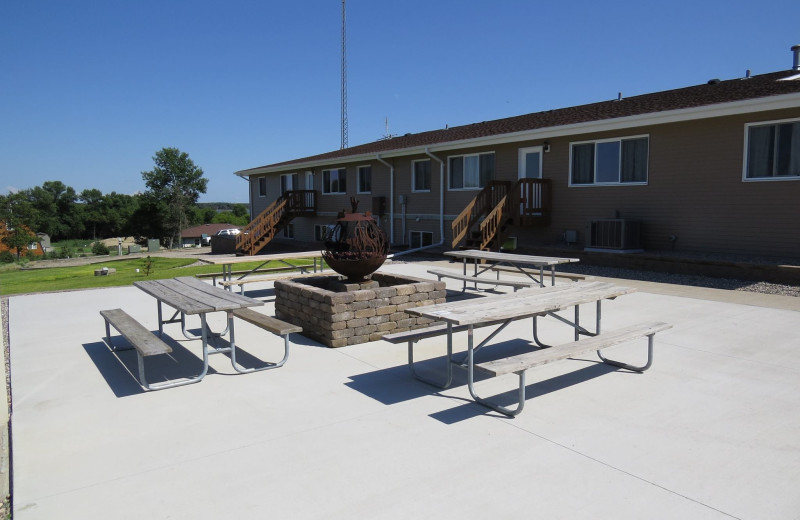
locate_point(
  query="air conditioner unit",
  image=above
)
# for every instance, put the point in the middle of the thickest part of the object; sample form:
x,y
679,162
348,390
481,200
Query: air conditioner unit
x,y
615,234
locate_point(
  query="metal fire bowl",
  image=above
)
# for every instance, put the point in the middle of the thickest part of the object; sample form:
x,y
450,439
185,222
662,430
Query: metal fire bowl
x,y
355,270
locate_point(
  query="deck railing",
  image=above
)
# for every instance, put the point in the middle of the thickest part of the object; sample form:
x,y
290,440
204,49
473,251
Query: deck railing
x,y
263,228
486,199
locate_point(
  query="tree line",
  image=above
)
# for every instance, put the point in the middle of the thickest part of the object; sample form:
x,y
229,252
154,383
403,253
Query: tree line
x,y
168,205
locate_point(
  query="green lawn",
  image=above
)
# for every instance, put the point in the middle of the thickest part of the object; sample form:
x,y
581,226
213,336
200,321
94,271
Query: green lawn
x,y
19,281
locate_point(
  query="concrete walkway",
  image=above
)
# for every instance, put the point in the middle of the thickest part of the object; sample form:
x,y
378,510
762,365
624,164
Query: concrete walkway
x,y
711,431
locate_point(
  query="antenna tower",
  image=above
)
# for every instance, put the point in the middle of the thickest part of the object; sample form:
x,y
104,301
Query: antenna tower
x,y
344,78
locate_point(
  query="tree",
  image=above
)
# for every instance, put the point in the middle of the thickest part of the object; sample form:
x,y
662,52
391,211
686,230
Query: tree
x,y
176,182
92,214
16,214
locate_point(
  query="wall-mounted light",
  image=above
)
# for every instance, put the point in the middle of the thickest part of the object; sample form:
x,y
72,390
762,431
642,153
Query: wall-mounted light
x,y
546,146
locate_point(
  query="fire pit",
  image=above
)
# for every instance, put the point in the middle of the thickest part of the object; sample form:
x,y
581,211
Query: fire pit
x,y
356,247
340,311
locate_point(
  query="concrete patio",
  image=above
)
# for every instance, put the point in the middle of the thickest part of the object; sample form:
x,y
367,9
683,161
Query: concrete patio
x,y
711,431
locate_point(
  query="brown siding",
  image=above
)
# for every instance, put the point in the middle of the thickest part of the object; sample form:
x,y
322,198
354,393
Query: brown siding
x,y
694,192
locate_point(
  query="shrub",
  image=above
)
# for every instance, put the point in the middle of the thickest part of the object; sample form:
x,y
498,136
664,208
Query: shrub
x,y
6,257
99,249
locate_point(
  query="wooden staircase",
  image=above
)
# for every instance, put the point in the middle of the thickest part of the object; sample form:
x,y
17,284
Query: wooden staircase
x,y
262,229
485,221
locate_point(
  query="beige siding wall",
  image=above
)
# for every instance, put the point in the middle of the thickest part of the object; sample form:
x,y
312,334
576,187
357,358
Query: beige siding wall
x,y
694,192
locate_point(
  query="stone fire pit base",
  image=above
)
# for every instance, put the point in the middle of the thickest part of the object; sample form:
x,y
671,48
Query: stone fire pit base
x,y
337,314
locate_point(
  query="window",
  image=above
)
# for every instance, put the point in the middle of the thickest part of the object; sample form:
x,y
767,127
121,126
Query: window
x,y
773,151
262,186
420,239
289,182
469,172
364,179
612,161
321,231
288,231
421,175
334,181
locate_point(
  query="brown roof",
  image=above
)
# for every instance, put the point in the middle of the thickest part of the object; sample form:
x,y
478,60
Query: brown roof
x,y
207,229
711,93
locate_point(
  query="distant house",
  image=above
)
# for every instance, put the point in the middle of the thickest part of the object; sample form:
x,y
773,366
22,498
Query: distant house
x,y
194,236
34,247
708,168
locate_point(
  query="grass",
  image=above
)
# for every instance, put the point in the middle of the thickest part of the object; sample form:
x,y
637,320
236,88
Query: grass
x,y
14,280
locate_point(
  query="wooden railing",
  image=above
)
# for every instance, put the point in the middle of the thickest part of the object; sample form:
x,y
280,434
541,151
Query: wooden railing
x,y
490,226
526,204
264,227
530,202
487,198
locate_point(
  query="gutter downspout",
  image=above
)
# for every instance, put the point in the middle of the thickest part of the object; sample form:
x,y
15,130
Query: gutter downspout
x,y
441,193
441,210
391,197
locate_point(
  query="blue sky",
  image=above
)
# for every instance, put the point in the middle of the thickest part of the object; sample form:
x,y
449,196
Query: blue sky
x,y
90,90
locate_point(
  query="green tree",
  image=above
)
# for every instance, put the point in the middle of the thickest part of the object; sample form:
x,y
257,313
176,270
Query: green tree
x,y
58,213
176,183
93,212
227,217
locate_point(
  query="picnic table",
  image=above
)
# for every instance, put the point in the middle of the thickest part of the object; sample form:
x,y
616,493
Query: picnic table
x,y
190,296
227,264
499,311
494,261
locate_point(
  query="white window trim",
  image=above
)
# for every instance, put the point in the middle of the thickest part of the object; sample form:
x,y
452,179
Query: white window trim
x,y
609,140
413,187
358,179
747,126
288,231
322,179
477,154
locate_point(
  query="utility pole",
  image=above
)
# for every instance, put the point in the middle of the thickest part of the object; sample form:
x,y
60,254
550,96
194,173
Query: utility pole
x,y
344,77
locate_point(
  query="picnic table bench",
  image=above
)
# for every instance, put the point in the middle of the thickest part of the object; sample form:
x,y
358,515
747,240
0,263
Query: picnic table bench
x,y
266,270
501,310
486,260
516,284
138,337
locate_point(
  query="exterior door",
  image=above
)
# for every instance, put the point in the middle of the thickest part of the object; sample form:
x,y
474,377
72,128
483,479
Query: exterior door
x,y
309,180
288,182
530,167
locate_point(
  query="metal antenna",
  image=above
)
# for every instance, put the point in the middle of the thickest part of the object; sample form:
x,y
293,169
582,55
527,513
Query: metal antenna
x,y
344,78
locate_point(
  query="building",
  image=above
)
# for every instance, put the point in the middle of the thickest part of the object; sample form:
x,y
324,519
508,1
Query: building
x,y
33,248
708,168
201,235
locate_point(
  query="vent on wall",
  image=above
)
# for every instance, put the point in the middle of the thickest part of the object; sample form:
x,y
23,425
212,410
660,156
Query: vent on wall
x,y
615,234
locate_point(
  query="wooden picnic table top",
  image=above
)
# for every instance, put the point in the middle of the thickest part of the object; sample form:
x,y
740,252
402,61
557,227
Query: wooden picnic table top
x,y
192,296
475,254
521,304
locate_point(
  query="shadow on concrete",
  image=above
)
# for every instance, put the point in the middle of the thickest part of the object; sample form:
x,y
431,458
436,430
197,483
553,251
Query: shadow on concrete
x,y
397,384
121,372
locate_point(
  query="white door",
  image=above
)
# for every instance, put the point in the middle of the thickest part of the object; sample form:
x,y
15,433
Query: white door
x,y
530,167
530,163
309,180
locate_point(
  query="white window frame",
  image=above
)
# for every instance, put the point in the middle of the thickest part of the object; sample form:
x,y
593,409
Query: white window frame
x,y
464,156
610,140
745,154
414,176
422,241
288,231
262,180
326,186
358,178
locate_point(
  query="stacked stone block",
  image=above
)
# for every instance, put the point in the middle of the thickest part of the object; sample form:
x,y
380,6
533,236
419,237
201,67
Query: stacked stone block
x,y
338,314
